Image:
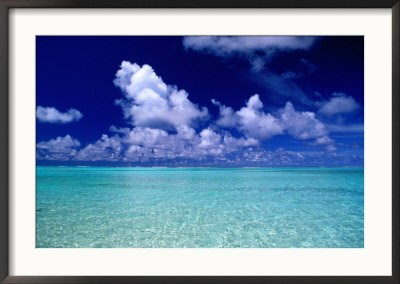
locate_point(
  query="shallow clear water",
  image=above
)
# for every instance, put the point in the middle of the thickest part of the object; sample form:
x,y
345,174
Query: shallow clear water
x,y
199,207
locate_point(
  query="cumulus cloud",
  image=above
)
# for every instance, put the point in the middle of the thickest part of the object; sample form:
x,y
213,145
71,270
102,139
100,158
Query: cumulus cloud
x,y
164,127
213,152
61,148
185,143
227,116
104,149
250,120
339,103
233,144
255,123
149,102
144,143
52,115
229,45
301,125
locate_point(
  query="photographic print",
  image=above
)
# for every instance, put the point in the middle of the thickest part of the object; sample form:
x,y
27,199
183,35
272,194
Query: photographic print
x,y
199,142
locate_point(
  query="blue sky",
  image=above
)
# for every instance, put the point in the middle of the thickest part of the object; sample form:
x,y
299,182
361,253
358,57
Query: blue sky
x,y
200,101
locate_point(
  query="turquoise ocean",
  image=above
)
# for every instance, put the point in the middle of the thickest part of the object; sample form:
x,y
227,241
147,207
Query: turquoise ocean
x,y
83,207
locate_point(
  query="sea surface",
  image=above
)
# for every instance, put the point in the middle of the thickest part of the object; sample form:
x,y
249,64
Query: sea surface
x,y
84,207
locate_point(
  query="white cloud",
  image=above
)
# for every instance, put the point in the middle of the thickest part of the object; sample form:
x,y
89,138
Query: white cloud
x,y
147,144
250,120
60,144
229,45
185,132
227,116
149,102
323,140
141,143
61,148
104,149
304,126
301,125
327,142
339,103
52,115
232,143
255,123
211,141
164,127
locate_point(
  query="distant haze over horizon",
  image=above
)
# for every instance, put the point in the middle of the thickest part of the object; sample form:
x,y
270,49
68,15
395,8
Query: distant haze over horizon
x,y
170,101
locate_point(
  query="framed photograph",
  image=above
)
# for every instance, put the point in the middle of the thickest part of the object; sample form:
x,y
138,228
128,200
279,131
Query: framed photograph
x,y
188,141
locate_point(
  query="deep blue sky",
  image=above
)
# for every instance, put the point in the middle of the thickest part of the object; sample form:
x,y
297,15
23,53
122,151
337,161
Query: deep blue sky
x,y
322,78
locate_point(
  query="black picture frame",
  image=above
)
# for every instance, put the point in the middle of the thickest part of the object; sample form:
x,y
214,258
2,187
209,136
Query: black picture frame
x,y
6,5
